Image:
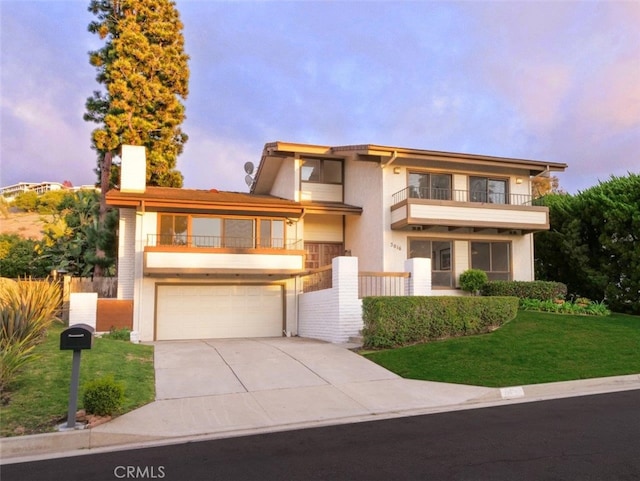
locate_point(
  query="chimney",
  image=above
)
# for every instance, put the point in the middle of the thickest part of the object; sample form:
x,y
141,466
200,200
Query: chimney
x,y
133,169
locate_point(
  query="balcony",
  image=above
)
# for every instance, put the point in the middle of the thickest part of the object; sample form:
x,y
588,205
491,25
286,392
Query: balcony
x,y
210,255
416,208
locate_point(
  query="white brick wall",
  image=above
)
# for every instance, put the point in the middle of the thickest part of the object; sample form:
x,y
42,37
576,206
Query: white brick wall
x,y
126,253
419,283
83,308
334,314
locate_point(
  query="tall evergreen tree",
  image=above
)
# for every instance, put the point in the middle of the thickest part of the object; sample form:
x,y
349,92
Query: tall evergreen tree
x,y
144,70
593,245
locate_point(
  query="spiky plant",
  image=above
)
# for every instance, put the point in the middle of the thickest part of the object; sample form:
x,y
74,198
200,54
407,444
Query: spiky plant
x,y
27,309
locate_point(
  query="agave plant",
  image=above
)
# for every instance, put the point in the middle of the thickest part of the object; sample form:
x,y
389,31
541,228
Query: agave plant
x,y
27,309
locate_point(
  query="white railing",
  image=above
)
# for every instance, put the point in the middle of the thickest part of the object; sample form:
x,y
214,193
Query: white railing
x,y
381,283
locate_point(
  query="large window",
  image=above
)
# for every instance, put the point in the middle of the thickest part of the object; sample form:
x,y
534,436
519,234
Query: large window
x,y
271,233
206,231
429,186
485,189
492,257
210,231
173,229
238,233
325,171
440,252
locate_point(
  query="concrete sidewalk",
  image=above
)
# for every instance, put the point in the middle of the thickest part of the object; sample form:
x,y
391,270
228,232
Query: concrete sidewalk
x,y
222,388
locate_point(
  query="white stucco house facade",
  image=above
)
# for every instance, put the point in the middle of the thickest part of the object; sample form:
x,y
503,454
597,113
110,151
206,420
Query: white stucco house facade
x,y
206,264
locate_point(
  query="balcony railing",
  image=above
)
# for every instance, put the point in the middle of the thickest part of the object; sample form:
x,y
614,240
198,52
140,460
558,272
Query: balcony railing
x,y
457,195
222,242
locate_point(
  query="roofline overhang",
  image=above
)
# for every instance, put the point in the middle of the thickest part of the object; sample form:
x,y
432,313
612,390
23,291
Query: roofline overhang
x,y
146,202
379,153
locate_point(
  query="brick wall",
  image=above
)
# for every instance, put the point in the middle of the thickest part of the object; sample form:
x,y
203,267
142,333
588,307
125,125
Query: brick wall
x,y
334,314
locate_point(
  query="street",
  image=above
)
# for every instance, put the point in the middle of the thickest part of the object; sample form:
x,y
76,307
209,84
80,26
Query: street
x,y
582,438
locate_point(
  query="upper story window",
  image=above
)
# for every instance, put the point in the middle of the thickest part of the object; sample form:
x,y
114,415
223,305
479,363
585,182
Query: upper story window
x,y
429,186
205,231
324,171
488,190
173,229
210,231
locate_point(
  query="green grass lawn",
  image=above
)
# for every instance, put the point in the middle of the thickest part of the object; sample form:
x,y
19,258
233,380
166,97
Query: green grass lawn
x,y
40,397
533,348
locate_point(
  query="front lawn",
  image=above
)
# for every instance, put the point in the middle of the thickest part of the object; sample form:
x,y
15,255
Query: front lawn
x,y
533,348
40,396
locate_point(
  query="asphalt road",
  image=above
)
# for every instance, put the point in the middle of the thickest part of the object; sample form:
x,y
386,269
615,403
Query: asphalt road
x,y
581,438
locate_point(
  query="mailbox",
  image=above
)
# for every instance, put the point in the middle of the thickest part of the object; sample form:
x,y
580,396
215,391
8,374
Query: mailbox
x,y
76,337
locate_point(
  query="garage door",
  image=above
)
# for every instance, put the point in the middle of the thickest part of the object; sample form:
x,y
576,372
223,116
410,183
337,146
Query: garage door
x,y
207,311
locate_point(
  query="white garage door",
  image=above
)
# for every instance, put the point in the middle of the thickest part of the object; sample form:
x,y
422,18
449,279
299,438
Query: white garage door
x,y
208,311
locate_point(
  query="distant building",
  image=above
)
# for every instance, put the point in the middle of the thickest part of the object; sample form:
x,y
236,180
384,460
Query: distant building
x,y
11,191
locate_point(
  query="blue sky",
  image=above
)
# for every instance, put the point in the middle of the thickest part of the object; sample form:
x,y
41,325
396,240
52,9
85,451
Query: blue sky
x,y
556,81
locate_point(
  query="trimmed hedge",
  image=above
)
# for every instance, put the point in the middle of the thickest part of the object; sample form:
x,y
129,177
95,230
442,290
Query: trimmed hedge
x,y
541,290
398,321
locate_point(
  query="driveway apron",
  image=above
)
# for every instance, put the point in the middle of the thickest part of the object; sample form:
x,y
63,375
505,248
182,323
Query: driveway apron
x,y
215,386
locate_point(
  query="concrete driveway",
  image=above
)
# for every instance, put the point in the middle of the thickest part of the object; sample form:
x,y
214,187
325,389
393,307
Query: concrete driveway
x,y
240,386
228,366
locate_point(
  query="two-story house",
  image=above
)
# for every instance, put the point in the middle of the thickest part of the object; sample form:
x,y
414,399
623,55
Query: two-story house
x,y
205,264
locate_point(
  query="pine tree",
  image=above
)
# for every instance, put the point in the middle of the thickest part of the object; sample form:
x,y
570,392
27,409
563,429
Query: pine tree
x,y
144,70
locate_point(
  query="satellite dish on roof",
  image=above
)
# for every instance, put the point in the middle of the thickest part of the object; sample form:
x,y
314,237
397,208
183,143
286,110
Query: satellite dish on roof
x,y
248,167
249,180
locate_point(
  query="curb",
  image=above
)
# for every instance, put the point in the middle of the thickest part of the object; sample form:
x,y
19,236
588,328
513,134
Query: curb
x,y
71,443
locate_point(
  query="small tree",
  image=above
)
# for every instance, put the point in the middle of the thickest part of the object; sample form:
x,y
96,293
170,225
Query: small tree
x,y
27,201
472,280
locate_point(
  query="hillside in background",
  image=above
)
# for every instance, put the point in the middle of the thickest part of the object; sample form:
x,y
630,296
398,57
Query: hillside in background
x,y
25,224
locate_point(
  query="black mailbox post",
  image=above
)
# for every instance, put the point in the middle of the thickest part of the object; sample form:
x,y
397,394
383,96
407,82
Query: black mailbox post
x,y
75,338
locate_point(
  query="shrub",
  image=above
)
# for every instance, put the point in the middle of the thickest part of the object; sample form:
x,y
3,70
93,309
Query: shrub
x,y
472,280
123,334
397,321
541,290
12,357
27,201
103,396
27,309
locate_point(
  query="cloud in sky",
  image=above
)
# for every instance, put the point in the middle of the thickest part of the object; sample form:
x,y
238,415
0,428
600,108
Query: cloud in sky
x,y
557,81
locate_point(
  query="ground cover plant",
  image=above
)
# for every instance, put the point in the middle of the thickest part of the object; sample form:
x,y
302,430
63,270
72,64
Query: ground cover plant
x,y
40,394
579,306
535,347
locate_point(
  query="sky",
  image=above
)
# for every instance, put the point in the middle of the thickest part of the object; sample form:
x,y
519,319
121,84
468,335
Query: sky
x,y
551,81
